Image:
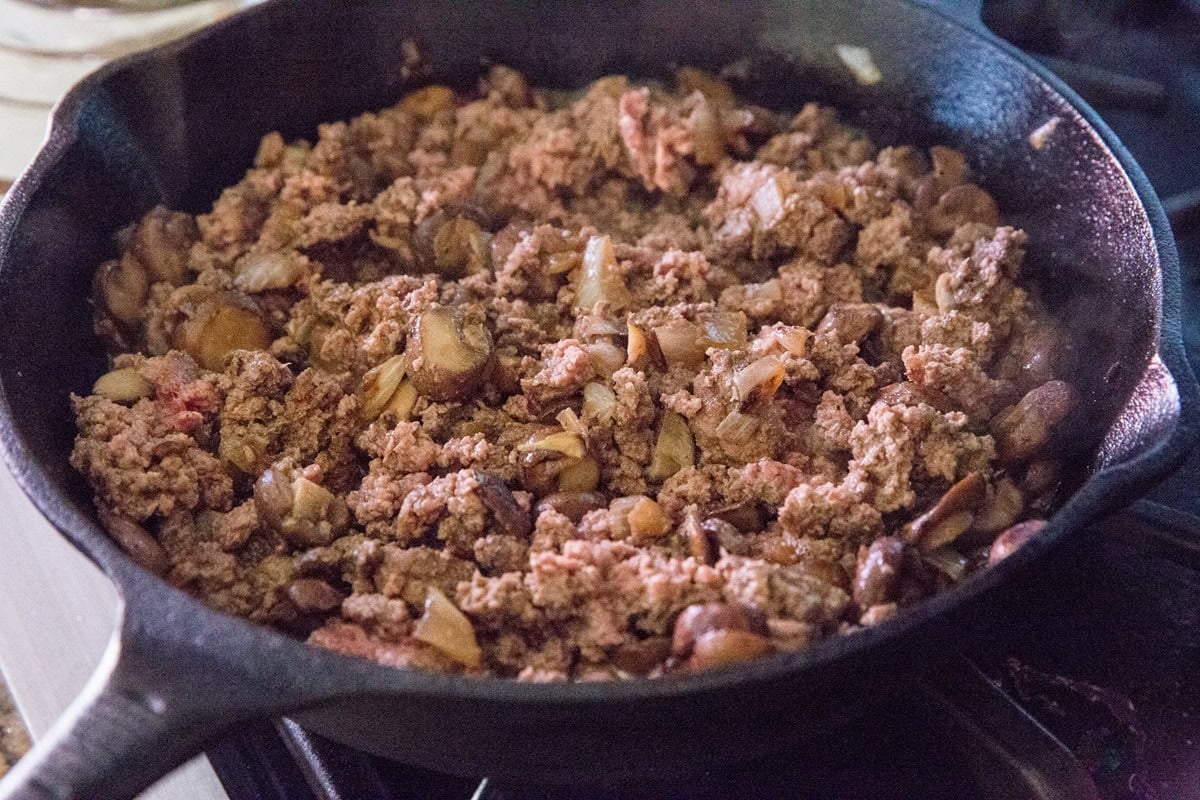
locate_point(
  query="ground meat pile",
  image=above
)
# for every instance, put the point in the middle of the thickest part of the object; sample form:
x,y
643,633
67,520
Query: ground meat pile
x,y
634,380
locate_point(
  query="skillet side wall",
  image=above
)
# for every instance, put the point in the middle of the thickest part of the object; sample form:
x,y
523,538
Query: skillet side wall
x,y
184,122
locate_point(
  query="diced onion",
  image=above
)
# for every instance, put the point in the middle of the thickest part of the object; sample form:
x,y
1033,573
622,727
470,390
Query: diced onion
x,y
647,520
674,449
682,343
768,201
724,329
793,340
580,475
737,427
446,628
378,386
569,420
758,380
600,281
599,402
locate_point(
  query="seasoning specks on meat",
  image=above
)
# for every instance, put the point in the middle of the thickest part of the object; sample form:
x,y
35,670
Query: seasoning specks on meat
x,y
503,383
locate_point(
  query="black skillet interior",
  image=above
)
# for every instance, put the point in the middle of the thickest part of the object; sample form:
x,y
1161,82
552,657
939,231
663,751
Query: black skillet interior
x,y
179,123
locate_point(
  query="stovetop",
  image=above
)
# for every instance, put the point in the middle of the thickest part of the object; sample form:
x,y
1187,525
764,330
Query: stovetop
x,y
1098,694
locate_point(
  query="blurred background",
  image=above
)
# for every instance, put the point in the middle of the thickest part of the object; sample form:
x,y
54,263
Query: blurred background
x,y
47,45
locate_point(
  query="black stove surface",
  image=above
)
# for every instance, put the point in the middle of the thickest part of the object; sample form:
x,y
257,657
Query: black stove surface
x,y
1098,694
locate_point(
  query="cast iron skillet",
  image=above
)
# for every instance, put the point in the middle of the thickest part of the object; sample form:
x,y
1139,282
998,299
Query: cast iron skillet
x,y
176,124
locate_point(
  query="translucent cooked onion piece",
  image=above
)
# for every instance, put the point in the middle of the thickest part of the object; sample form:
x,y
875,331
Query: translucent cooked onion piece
x,y
860,63
259,272
682,343
758,381
647,520
794,340
569,421
403,400
708,135
428,101
674,448
599,402
714,89
446,628
737,427
768,202
642,349
724,329
378,387
600,279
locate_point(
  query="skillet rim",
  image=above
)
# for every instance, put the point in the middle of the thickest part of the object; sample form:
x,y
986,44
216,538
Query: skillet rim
x,y
356,677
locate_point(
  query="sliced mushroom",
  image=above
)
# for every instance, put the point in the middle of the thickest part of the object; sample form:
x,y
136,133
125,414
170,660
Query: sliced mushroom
x,y
960,205
378,386
721,648
1008,542
951,517
699,620
557,461
572,505
878,571
850,322
447,356
219,324
138,542
1001,509
1025,430
511,519
313,596
123,386
305,513
911,394
451,245
121,288
161,242
642,656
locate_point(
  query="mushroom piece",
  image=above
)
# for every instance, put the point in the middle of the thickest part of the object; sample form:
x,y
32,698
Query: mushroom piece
x,y
697,621
305,513
451,246
219,324
447,355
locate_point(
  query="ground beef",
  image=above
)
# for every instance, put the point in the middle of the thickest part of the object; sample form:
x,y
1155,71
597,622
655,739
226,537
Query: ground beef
x,y
505,383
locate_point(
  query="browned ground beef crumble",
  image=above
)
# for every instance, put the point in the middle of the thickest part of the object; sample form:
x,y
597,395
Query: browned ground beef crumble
x,y
625,382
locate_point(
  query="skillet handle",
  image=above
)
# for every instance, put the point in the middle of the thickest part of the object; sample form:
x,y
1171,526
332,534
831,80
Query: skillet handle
x,y
167,686
112,742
